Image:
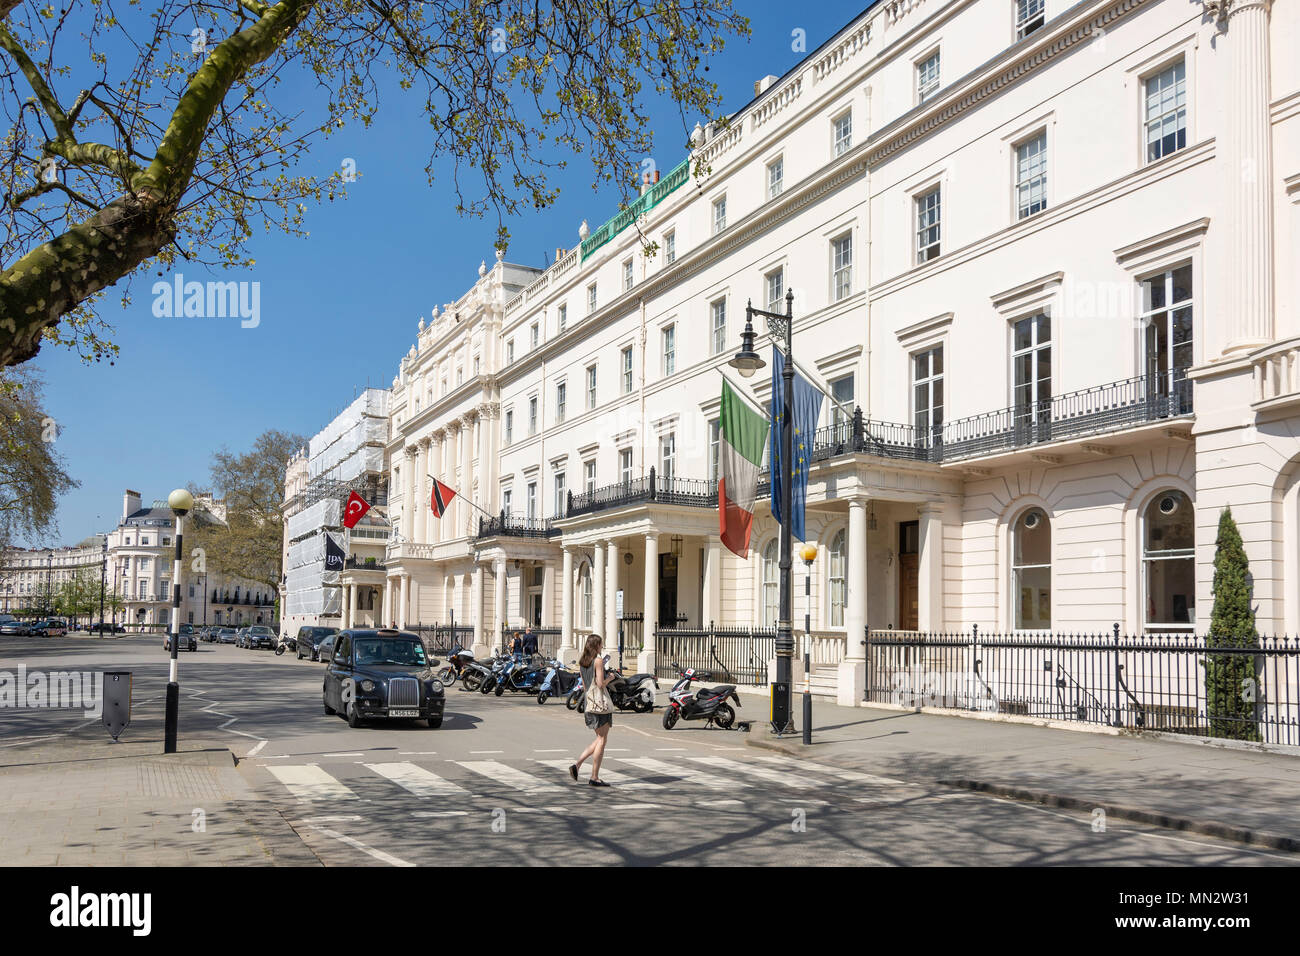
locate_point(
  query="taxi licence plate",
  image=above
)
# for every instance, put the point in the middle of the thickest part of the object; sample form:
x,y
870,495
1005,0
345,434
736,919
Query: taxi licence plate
x,y
403,713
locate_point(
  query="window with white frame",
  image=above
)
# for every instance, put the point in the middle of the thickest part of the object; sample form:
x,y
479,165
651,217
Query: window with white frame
x,y
843,132
775,177
532,501
561,400
1031,570
841,267
929,225
532,415
591,298
510,357
584,577
1031,175
927,392
775,289
627,275
719,215
534,336
1029,16
478,364
1031,371
562,316
1165,111
668,455
670,350
589,476
506,496
670,247
718,312
591,387
627,370
510,425
625,465
1169,562
1167,320
771,585
715,437
560,490
460,375
837,578
927,77
842,400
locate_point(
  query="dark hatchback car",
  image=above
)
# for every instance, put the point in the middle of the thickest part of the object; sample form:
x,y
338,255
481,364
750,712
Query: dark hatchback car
x,y
382,674
309,640
259,635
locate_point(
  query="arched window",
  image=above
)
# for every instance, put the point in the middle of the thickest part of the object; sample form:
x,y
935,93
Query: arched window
x,y
1031,570
836,578
584,577
771,594
1169,562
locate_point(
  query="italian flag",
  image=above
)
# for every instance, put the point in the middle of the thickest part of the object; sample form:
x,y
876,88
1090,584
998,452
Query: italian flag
x,y
742,435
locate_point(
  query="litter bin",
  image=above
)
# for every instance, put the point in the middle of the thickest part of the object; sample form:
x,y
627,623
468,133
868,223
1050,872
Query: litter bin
x,y
117,701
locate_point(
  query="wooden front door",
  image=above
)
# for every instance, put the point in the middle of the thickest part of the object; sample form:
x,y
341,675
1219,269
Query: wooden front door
x,y
908,576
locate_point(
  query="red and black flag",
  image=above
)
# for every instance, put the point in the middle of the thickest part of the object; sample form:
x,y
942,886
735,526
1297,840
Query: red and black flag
x,y
440,498
356,507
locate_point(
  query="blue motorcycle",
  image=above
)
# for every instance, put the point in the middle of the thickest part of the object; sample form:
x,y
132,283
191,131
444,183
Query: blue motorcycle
x,y
524,675
559,681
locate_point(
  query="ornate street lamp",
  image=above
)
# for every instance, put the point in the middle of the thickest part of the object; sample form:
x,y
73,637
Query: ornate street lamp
x,y
747,362
807,554
181,502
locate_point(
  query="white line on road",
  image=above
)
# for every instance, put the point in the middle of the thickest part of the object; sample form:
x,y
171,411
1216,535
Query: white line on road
x,y
416,780
683,773
487,751
359,753
852,776
501,773
763,773
256,749
558,750
720,803
358,845
310,782
434,814
335,819
610,776
417,753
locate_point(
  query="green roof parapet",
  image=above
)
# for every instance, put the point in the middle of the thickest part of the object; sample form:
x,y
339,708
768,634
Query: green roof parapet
x,y
642,204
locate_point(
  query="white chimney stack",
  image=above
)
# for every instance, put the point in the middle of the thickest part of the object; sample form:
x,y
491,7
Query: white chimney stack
x,y
130,503
764,84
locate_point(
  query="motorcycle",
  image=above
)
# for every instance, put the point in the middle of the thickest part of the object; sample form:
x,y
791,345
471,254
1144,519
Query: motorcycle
x,y
497,668
456,669
280,648
635,693
559,680
577,697
524,675
708,703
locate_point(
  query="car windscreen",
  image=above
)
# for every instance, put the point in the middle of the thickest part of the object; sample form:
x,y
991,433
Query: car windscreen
x,y
389,651
261,629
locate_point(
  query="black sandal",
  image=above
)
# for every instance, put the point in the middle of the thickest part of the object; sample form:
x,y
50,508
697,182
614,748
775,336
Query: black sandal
x,y
598,783
573,771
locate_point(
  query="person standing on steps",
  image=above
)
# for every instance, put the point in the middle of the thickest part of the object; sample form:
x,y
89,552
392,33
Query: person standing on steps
x,y
599,710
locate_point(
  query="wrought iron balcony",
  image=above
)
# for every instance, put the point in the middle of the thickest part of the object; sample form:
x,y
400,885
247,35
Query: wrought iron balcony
x,y
363,564
687,492
513,526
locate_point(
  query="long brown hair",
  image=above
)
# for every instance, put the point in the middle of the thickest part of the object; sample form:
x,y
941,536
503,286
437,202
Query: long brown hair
x,y
590,650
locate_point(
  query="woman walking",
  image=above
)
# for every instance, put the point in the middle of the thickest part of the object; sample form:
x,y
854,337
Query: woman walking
x,y
599,708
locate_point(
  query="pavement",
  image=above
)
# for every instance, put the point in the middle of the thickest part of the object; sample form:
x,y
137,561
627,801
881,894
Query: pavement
x,y
265,778
1245,795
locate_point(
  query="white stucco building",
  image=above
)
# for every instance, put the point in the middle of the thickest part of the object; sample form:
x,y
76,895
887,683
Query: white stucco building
x,y
1048,250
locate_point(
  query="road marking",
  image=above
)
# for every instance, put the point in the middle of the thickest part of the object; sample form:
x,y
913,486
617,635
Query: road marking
x,y
515,779
417,753
487,751
359,753
310,782
676,749
614,777
256,749
720,803
434,814
763,773
683,773
540,810
416,780
336,819
358,845
559,750
853,776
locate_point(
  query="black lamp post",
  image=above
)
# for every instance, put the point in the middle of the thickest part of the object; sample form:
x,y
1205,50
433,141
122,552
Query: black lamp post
x,y
180,501
103,583
747,362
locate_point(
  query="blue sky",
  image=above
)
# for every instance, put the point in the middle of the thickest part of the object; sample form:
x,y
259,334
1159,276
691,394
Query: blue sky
x,y
337,309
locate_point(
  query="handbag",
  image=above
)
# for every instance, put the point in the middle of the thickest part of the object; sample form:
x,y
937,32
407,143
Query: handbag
x,y
598,699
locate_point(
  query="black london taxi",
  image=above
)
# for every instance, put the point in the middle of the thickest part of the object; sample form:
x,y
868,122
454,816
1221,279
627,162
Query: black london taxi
x,y
382,674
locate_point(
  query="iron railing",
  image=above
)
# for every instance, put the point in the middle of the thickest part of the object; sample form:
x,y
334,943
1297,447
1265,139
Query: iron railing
x,y
440,638
364,564
687,492
1177,683
735,655
548,638
507,525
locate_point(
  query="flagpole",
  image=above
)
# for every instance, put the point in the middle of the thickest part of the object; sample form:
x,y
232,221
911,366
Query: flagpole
x,y
753,406
472,503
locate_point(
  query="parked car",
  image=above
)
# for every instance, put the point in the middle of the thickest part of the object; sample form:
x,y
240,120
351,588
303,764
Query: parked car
x,y
226,635
259,635
309,640
15,627
325,649
51,627
389,677
187,639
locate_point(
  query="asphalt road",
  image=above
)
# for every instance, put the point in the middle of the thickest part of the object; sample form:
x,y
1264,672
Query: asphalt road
x,y
490,786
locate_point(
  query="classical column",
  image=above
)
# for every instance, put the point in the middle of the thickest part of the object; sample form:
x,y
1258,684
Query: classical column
x,y
487,459
650,601
566,598
386,617
354,593
498,601
422,498
404,607
548,594
929,590
466,491
598,593
477,610
435,525
852,673
611,592
450,451
712,610
408,499
1247,173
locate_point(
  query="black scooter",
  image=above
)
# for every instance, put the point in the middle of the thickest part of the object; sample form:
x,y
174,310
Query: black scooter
x,y
708,703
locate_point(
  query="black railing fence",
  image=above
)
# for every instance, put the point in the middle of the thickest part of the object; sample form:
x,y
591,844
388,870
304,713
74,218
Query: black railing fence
x,y
1168,682
630,640
515,526
548,638
736,655
688,492
440,638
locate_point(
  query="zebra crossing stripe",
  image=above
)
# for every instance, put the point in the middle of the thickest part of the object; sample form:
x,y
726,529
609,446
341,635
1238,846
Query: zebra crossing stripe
x,y
688,774
515,779
763,773
853,776
612,777
416,780
310,782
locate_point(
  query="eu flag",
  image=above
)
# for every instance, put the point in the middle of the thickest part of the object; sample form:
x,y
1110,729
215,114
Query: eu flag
x,y
807,407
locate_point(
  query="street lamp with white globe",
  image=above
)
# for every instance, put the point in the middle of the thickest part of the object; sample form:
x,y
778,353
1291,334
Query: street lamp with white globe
x,y
181,502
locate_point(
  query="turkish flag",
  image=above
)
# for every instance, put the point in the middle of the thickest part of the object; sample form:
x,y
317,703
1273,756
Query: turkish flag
x,y
440,498
355,509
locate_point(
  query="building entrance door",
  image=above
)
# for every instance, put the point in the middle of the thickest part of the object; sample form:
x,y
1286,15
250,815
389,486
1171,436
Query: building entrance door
x,y
908,575
667,590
